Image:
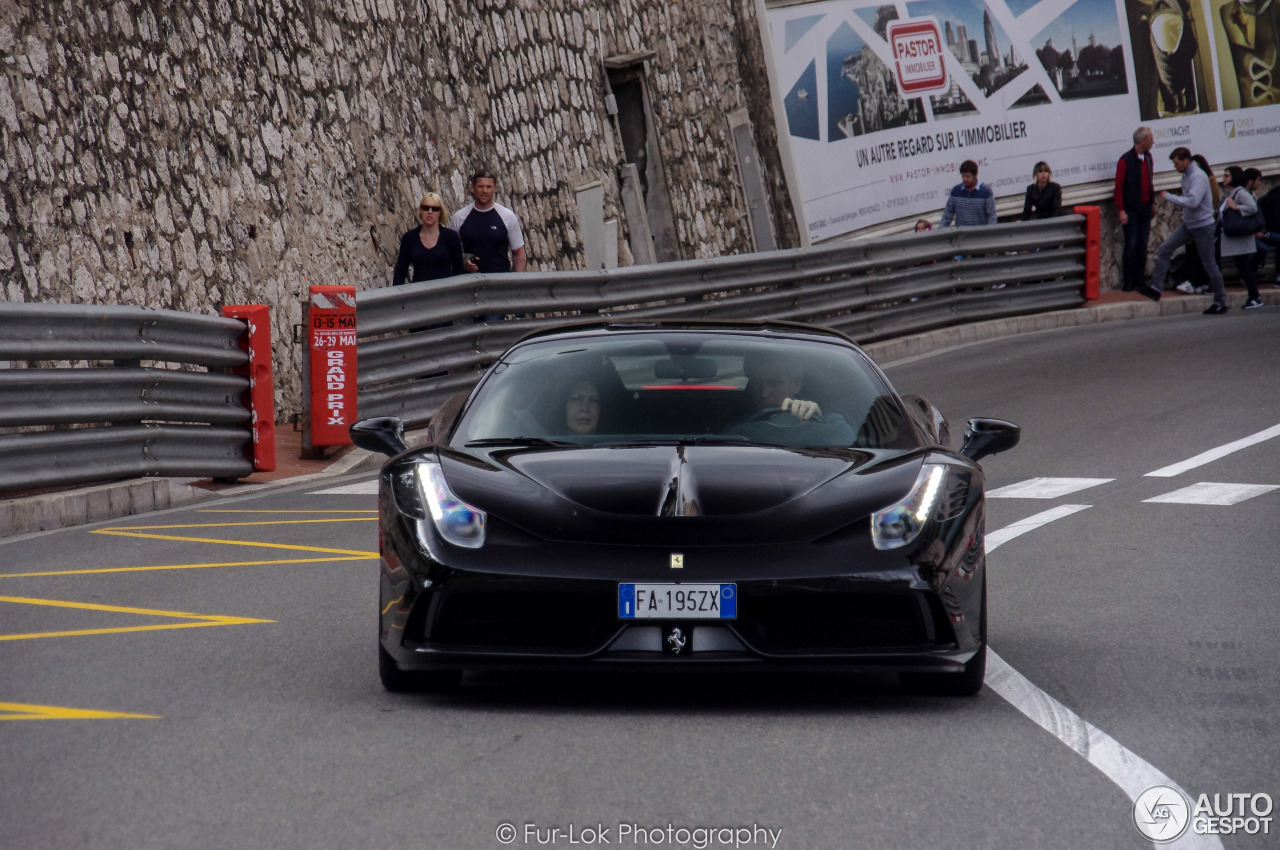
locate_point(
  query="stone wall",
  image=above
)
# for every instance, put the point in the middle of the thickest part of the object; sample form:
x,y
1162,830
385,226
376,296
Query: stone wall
x,y
197,153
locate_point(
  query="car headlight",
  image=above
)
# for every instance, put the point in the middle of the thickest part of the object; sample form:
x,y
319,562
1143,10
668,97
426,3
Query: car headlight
x,y
459,523
421,490
901,523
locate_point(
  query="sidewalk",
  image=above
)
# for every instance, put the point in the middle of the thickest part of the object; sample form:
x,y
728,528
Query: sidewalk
x,y
1113,306
101,502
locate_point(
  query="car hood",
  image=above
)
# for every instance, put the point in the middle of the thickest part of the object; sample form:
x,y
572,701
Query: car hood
x,y
646,495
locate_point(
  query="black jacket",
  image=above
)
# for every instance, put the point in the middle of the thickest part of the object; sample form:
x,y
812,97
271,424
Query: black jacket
x,y
1270,206
1042,203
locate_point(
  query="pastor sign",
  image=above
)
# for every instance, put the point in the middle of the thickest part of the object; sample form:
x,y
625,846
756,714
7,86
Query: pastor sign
x,y
917,52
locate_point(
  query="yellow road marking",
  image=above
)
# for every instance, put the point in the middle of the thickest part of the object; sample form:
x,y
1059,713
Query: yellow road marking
x,y
188,566
196,620
233,524
24,711
295,548
230,511
392,602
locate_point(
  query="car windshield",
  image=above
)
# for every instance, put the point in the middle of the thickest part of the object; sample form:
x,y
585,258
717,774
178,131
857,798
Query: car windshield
x,y
683,387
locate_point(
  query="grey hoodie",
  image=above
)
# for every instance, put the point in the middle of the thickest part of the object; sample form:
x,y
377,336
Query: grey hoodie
x,y
1196,199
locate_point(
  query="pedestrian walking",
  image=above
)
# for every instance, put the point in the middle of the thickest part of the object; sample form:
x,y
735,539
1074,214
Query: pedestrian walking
x,y
1196,201
432,251
1240,247
1044,197
489,231
1134,199
971,203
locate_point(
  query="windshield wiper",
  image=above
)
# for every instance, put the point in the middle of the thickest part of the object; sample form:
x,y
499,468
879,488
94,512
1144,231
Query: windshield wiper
x,y
723,440
515,441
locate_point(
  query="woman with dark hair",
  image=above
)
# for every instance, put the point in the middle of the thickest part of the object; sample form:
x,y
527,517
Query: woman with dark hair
x,y
1241,248
1044,197
1199,160
582,407
434,251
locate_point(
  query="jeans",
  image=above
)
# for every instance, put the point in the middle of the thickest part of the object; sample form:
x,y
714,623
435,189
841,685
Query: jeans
x,y
1260,258
1136,234
1203,238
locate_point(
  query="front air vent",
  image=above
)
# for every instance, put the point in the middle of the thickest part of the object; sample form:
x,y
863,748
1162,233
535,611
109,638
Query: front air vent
x,y
956,496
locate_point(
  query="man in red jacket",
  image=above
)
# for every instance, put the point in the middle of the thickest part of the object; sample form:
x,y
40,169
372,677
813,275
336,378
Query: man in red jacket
x,y
1134,198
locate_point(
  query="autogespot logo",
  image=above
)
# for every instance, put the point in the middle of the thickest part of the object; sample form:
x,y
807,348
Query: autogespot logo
x,y
1161,813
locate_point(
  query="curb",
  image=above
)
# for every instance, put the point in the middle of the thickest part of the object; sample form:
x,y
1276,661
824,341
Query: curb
x,y
102,502
96,503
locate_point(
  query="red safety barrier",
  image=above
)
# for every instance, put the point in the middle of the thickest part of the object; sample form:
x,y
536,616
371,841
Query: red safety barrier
x,y
333,364
1092,251
260,398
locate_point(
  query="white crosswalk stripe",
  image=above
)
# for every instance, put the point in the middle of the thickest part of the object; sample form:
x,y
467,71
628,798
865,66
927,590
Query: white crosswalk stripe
x,y
364,488
1210,493
1045,488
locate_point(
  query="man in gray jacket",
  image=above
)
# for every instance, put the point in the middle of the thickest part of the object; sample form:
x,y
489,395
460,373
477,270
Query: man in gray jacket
x,y
1197,226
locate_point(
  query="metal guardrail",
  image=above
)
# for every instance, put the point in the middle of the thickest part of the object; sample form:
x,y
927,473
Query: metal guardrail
x,y
133,419
420,343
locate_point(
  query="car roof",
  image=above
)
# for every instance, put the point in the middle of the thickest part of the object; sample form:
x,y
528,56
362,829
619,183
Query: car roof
x,y
761,327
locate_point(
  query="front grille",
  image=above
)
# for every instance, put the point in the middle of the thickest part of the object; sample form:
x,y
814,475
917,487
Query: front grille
x,y
525,621
831,622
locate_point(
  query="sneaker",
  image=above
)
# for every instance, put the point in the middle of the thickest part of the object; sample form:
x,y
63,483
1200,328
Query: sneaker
x,y
1201,290
1149,291
1216,310
1186,287
1252,304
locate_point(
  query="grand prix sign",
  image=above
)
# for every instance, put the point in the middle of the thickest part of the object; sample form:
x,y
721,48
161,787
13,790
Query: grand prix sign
x,y
332,364
917,50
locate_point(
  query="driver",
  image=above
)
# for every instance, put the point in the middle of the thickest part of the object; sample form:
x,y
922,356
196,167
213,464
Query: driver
x,y
773,385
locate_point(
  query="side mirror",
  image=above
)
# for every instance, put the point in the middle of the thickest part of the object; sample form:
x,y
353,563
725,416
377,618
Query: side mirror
x,y
984,437
383,434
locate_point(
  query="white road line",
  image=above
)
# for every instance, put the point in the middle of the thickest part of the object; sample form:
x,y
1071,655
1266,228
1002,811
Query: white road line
x,y
1045,488
1123,767
1001,536
1213,454
1209,493
363,488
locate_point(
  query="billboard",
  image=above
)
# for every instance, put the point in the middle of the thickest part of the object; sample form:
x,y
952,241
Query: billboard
x,y
877,129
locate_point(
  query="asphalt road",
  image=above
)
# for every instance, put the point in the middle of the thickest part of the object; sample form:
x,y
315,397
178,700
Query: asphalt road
x,y
242,633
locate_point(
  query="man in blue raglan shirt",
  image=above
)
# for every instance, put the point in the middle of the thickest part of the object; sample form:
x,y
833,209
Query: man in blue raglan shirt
x,y
970,203
489,229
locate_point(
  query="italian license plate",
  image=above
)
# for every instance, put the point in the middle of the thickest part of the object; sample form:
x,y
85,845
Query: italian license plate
x,y
677,601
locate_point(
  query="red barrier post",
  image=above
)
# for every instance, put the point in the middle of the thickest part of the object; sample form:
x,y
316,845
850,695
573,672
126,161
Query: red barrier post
x,y
260,398
1092,252
333,364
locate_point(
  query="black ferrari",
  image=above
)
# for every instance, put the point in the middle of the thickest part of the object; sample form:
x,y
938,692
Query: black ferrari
x,y
684,495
